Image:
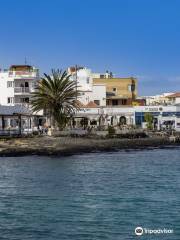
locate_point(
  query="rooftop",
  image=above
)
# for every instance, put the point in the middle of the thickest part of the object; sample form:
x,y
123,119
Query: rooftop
x,y
175,95
24,68
14,110
91,104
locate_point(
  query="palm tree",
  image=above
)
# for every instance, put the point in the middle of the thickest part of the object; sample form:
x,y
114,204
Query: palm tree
x,y
56,94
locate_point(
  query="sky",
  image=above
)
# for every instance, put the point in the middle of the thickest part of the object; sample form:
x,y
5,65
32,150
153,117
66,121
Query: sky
x,y
139,38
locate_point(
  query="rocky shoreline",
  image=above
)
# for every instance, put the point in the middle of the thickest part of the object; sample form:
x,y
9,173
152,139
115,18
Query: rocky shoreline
x,y
67,146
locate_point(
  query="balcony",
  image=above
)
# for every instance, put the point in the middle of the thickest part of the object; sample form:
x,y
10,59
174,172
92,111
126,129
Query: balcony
x,y
110,94
22,90
24,74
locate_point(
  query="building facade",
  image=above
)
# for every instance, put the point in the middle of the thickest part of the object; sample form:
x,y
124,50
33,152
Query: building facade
x,y
17,120
104,89
164,117
88,92
17,84
119,91
160,99
174,99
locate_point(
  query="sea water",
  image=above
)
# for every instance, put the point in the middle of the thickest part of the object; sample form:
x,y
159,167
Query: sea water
x,y
90,197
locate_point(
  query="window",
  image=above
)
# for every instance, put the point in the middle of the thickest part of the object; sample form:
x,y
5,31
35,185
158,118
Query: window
x,y
87,80
107,102
97,102
10,100
26,84
10,84
124,101
24,100
131,87
114,102
114,89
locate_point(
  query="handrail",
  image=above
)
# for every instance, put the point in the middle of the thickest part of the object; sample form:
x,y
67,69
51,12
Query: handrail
x,y
21,89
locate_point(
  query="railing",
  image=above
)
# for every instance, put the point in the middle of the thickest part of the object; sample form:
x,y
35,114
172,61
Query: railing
x,y
15,132
22,90
9,132
23,74
24,104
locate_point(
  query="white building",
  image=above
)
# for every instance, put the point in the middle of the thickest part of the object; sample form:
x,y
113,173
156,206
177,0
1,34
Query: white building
x,y
89,92
174,99
17,83
160,99
107,74
99,94
165,117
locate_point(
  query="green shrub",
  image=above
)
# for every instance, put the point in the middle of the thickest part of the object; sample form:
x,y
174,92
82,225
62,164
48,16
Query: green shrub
x,y
149,120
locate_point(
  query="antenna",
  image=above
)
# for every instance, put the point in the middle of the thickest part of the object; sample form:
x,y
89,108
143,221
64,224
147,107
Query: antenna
x,y
76,67
25,61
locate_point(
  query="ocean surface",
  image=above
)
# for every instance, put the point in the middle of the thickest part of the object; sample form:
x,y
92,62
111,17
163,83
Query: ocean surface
x,y
90,197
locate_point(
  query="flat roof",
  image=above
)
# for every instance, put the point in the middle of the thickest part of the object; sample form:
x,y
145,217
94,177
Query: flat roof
x,y
14,110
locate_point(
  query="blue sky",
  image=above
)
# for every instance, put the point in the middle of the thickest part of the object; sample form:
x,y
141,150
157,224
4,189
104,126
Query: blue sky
x,y
129,37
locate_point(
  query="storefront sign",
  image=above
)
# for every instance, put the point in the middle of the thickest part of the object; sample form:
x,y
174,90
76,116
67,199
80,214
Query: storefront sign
x,y
153,109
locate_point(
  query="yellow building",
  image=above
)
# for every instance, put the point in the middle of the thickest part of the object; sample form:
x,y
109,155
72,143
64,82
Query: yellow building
x,y
119,91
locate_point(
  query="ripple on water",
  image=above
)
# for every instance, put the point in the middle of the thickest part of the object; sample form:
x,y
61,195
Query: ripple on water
x,y
89,197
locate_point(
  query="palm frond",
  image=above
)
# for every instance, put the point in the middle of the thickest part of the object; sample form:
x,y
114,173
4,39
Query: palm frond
x,y
57,94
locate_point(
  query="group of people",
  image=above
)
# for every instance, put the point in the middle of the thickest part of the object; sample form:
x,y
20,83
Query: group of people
x,y
43,130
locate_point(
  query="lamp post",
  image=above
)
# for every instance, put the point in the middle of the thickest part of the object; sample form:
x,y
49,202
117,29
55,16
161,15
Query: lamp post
x,y
174,116
160,121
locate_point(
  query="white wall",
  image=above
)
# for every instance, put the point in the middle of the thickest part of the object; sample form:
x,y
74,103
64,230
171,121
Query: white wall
x,y
108,112
84,79
129,112
88,91
157,99
99,93
85,97
177,101
5,92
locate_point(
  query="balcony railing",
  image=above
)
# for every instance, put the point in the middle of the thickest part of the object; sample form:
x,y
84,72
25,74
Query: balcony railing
x,y
24,104
23,74
22,90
